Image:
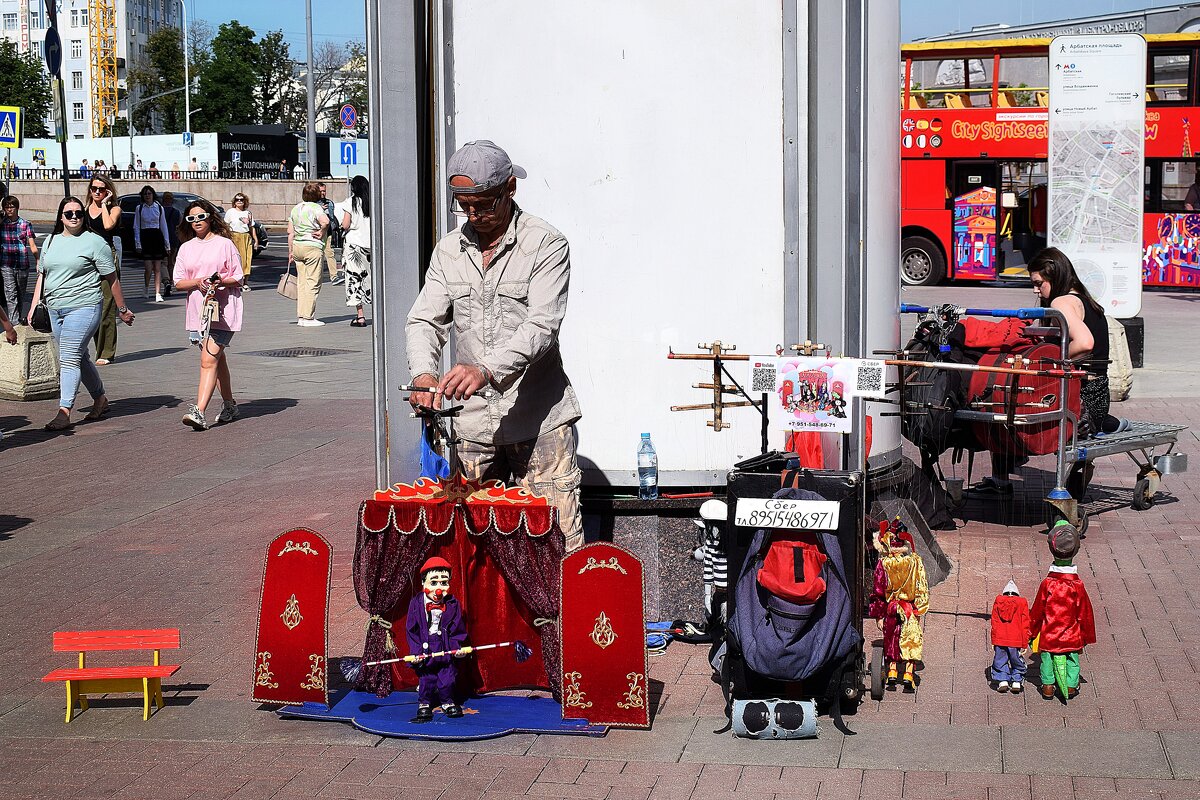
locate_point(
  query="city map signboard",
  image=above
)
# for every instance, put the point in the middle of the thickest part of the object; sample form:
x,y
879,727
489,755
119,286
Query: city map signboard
x,y
1096,162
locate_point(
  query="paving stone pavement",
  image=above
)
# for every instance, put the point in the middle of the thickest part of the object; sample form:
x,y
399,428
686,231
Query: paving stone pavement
x,y
136,521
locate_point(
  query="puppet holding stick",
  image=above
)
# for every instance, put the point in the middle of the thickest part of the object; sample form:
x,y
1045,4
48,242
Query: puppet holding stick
x,y
437,635
435,630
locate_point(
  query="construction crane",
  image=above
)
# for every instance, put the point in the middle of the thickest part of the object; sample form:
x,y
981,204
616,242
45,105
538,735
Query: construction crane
x,y
102,30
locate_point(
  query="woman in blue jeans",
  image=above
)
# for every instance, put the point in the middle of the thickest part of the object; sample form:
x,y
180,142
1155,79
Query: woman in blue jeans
x,y
73,263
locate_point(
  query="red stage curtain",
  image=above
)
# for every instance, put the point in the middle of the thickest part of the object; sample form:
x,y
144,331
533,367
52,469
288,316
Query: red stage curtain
x,y
505,561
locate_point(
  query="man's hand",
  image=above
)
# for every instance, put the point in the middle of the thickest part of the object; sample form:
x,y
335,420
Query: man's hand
x,y
462,382
426,399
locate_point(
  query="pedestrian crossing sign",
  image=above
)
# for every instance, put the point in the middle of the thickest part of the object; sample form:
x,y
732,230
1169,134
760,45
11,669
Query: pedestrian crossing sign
x,y
10,126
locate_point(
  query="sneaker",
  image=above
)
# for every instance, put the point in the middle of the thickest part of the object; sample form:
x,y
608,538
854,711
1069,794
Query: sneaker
x,y
309,323
339,277
158,298
229,412
195,418
1002,686
1016,688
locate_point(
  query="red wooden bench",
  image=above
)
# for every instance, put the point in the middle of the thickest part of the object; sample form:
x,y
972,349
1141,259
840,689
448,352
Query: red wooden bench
x,y
84,680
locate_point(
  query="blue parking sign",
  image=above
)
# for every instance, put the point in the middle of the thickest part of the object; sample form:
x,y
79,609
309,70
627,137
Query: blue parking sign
x,y
349,153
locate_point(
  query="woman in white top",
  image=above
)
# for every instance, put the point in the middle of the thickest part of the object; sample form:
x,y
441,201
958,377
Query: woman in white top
x,y
151,239
356,256
245,238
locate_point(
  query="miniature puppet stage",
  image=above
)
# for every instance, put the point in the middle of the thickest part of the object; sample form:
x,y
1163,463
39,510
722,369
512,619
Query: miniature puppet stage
x,y
485,717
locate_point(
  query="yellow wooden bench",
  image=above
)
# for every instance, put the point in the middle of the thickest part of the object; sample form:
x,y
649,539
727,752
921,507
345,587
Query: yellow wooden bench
x,y
84,680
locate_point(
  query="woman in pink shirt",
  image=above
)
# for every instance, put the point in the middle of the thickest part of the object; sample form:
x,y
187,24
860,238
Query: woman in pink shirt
x,y
206,250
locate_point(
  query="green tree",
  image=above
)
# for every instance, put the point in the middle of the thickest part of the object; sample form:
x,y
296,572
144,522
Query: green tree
x,y
24,84
160,71
273,70
228,81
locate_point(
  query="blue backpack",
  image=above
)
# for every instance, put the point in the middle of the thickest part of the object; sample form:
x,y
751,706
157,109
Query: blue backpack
x,y
778,637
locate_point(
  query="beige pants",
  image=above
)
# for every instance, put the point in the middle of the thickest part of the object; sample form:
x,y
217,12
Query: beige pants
x,y
245,248
329,257
308,278
545,466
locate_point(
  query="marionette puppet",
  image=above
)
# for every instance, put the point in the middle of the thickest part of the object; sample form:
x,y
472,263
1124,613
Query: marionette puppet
x,y
1062,620
1010,637
899,598
436,637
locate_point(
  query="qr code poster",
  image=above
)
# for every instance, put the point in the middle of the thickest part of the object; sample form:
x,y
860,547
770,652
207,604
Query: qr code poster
x,y
814,393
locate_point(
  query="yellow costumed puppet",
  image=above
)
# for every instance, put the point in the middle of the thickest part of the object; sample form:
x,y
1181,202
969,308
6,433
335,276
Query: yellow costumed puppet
x,y
899,598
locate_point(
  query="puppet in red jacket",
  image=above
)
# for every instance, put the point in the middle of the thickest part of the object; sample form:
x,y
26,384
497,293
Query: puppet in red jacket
x,y
435,625
1010,637
1062,616
899,598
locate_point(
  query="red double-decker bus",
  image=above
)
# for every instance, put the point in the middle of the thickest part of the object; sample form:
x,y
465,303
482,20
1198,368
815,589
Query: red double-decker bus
x,y
973,148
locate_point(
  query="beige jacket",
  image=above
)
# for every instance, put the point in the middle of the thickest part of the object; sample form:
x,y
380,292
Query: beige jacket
x,y
506,318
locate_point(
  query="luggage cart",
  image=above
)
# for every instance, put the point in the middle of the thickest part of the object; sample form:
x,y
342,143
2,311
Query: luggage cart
x,y
1073,456
1142,438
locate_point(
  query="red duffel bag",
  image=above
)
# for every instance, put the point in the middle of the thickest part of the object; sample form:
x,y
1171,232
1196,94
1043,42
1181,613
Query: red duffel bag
x,y
1010,395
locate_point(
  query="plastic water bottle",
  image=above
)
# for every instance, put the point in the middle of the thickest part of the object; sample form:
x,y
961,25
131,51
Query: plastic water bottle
x,y
647,469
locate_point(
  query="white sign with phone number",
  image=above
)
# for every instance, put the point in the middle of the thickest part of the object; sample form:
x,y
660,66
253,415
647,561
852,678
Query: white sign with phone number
x,y
811,515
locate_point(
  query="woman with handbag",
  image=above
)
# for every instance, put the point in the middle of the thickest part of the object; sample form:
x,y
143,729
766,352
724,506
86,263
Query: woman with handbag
x,y
73,263
307,228
214,309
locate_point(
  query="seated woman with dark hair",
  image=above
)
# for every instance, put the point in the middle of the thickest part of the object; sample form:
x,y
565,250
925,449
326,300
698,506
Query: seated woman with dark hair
x,y
1057,286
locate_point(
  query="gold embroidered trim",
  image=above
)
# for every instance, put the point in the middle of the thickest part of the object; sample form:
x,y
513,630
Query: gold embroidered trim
x,y
602,632
634,697
262,673
574,696
292,547
316,675
592,563
291,615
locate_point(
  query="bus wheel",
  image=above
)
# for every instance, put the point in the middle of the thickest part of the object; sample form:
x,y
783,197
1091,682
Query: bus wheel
x,y
921,262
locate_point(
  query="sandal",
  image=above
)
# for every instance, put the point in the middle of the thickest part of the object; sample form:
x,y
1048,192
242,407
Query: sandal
x,y
360,322
103,362
98,412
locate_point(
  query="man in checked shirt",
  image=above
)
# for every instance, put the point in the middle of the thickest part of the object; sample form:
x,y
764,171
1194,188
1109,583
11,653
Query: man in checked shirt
x,y
18,246
501,280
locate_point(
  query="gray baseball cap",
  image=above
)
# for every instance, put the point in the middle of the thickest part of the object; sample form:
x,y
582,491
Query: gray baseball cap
x,y
485,163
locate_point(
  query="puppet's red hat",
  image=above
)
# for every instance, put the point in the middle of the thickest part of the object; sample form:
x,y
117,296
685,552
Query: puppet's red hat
x,y
435,562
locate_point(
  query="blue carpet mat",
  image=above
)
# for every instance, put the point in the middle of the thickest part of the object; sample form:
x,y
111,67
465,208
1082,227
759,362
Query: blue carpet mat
x,y
483,717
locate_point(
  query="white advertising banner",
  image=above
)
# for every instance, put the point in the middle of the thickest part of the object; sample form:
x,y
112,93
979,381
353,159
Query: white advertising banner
x,y
1097,153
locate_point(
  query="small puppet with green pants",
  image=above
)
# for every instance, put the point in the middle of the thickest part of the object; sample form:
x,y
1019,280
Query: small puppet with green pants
x,y
1062,616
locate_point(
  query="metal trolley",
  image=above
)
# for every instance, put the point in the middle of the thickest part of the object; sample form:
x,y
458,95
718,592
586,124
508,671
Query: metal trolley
x,y
1153,442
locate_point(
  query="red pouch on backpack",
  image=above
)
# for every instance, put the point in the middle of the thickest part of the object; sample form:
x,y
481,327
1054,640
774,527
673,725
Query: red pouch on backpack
x,y
792,567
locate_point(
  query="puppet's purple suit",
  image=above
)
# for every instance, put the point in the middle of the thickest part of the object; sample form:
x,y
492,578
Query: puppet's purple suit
x,y
435,677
